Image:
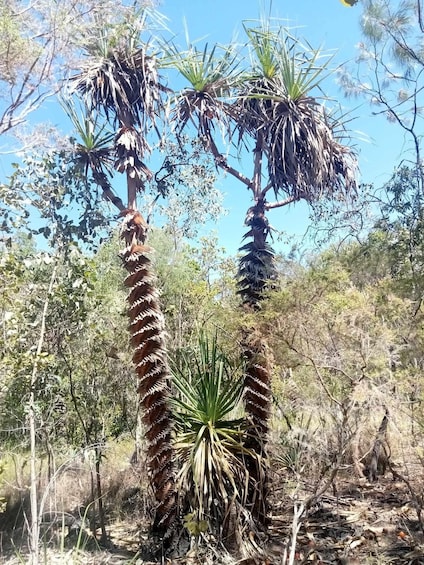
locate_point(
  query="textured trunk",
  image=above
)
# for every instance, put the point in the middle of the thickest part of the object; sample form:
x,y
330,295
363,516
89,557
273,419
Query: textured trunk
x,y
148,340
102,521
257,400
32,424
256,272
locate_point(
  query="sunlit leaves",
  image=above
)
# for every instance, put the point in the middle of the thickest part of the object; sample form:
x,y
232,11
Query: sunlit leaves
x,y
185,188
209,437
212,73
63,204
286,67
391,59
93,149
83,321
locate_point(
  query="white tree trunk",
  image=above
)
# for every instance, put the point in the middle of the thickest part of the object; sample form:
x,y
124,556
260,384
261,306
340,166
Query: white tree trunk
x,y
34,532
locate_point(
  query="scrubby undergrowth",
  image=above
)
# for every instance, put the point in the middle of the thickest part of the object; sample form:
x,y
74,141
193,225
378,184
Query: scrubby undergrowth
x,y
348,519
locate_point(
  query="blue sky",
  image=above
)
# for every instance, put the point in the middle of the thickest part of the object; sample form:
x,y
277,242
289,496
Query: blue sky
x,y
323,23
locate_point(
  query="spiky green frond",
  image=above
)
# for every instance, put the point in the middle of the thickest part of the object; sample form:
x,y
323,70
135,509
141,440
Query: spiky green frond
x,y
281,62
93,149
207,383
207,69
210,440
212,74
262,43
94,143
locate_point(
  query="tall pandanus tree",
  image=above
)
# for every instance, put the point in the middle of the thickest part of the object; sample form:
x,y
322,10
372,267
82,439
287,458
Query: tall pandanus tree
x,y
305,159
270,109
120,82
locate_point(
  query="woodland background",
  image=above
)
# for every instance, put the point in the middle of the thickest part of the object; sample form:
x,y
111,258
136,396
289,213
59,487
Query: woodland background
x,y
343,323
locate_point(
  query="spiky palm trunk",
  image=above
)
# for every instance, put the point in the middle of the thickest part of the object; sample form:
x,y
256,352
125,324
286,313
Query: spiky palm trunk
x,y
256,273
120,81
147,331
257,400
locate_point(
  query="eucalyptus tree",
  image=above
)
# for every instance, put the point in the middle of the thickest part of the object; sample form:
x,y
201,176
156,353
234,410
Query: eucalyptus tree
x,y
40,43
119,80
271,111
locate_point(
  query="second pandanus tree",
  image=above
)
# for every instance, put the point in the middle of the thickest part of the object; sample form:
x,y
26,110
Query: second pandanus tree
x,y
271,110
120,82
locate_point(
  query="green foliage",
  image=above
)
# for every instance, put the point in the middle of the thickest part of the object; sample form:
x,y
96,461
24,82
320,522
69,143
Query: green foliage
x,y
194,526
21,301
78,370
196,284
50,196
335,334
94,150
14,46
272,103
212,74
185,188
281,59
389,74
210,439
208,70
40,44
402,223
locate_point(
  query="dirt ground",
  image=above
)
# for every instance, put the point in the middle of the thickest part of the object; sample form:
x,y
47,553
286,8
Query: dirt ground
x,y
357,523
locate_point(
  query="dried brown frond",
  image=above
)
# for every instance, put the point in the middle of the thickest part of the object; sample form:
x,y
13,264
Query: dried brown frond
x,y
129,146
305,157
125,85
202,109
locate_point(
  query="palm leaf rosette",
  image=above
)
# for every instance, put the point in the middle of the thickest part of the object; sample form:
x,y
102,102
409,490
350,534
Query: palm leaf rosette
x,y
93,149
300,139
120,79
210,449
211,74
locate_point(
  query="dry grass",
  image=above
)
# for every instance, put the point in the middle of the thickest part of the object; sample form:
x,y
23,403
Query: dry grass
x,y
352,521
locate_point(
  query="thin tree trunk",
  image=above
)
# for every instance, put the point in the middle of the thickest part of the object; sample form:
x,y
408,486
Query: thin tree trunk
x,y
98,455
34,533
92,514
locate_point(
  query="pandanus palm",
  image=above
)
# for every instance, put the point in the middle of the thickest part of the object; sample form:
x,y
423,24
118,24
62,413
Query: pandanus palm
x,y
120,81
297,154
